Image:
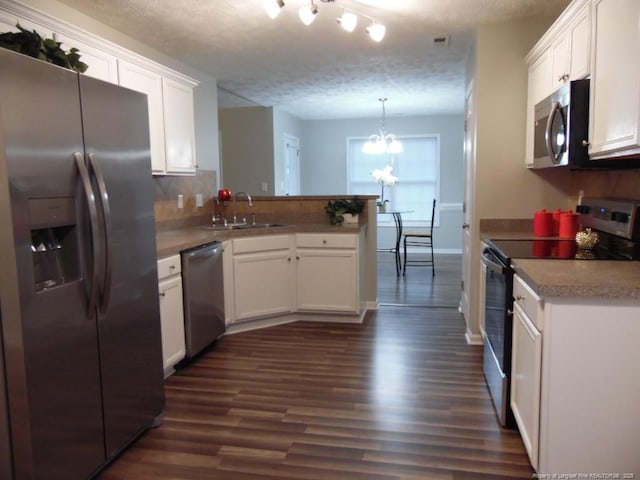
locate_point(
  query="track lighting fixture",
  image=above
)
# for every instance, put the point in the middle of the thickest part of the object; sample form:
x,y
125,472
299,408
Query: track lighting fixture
x,y
348,20
382,142
308,13
273,7
376,31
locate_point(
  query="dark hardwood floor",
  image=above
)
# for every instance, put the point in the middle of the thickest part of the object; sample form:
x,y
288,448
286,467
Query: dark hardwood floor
x,y
401,396
418,287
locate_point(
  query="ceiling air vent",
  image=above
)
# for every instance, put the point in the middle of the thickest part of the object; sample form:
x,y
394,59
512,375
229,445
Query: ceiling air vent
x,y
440,41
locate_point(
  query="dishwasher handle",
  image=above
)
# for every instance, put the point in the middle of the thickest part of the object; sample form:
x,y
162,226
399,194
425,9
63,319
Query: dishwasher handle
x,y
203,253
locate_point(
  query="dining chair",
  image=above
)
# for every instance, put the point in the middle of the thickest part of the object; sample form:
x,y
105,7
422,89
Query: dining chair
x,y
422,240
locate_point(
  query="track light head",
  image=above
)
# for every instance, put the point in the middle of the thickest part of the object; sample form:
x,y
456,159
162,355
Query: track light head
x,y
273,7
348,21
376,31
308,13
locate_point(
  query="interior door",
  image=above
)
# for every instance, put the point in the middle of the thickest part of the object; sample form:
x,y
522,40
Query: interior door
x,y
292,165
467,209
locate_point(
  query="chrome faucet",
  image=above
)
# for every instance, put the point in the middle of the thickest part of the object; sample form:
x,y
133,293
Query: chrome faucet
x,y
235,197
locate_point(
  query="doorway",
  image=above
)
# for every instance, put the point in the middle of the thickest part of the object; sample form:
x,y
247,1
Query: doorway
x,y
291,165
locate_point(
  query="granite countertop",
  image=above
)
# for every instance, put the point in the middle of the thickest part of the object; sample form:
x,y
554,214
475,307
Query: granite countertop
x,y
603,279
606,279
172,242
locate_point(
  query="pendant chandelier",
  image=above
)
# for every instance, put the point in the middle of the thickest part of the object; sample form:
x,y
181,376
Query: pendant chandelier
x,y
382,142
348,20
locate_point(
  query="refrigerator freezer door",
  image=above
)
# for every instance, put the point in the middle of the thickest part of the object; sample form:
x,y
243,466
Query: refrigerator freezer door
x,y
116,132
50,339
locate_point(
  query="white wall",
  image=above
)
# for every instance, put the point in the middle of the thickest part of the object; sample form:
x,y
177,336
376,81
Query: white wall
x,y
205,94
247,149
323,165
504,187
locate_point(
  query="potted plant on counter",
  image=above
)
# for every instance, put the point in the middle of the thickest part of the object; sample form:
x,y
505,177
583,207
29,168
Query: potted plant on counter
x,y
344,210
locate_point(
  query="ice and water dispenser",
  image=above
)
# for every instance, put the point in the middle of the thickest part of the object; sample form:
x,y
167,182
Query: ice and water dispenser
x,y
54,241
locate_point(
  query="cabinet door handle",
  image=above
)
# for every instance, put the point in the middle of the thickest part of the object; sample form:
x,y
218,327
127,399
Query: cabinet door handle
x,y
519,298
585,143
172,267
162,294
324,242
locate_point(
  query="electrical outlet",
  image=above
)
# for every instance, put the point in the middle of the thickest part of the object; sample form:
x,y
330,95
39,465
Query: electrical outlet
x,y
180,201
264,186
199,201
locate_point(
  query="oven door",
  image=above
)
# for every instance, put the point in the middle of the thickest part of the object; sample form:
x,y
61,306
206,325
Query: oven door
x,y
498,329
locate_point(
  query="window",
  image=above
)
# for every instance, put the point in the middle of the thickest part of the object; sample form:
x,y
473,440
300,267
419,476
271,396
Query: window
x,y
418,170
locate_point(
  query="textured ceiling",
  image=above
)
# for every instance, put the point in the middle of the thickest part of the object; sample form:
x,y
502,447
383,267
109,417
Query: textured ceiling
x,y
319,71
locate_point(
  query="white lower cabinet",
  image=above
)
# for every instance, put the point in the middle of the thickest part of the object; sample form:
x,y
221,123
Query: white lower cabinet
x,y
526,361
263,277
327,271
275,276
575,390
171,312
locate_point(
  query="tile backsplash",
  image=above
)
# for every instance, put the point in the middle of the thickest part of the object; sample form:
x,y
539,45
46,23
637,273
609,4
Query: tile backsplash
x,y
612,183
167,189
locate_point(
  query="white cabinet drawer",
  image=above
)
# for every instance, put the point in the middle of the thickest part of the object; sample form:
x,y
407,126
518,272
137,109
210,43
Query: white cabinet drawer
x,y
330,240
261,244
169,266
528,301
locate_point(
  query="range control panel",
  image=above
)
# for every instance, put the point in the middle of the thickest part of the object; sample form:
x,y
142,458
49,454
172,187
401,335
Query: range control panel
x,y
617,216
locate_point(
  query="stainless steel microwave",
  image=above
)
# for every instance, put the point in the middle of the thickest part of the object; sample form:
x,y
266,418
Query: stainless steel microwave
x,y
561,127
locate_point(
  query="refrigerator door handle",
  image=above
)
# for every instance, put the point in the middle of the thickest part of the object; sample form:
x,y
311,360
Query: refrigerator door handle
x,y
106,231
93,221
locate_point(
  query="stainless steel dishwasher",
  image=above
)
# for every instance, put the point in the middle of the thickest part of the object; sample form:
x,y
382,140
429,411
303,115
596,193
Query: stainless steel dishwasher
x,y
203,292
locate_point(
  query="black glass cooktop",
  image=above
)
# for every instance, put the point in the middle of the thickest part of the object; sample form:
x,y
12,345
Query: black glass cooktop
x,y
609,248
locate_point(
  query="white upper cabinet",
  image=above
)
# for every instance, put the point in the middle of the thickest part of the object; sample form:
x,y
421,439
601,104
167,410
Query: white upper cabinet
x,y
171,123
570,50
615,83
178,127
102,65
561,55
169,93
146,81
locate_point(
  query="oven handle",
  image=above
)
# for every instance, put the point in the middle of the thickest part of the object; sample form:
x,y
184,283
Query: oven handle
x,y
490,260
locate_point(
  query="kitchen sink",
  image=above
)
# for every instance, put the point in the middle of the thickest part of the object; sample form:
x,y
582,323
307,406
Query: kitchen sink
x,y
218,228
242,226
250,226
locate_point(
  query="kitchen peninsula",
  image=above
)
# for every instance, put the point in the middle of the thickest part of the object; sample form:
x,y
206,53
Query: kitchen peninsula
x,y
292,265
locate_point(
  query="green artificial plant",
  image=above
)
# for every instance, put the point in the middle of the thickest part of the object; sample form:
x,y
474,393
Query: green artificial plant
x,y
338,208
47,49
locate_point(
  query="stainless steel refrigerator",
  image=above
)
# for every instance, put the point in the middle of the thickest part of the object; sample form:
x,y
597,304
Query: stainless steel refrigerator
x,y
81,356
